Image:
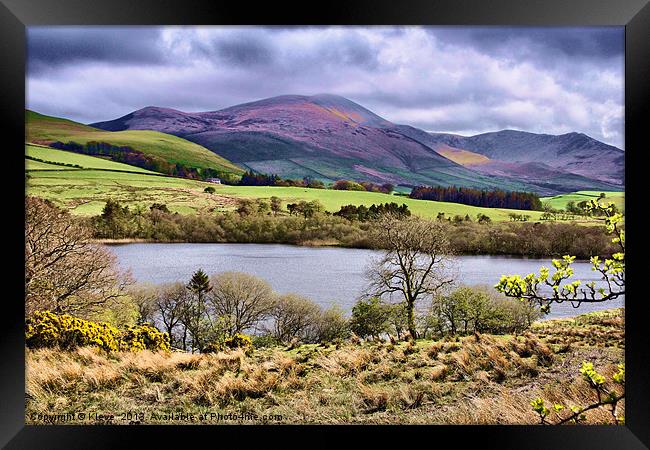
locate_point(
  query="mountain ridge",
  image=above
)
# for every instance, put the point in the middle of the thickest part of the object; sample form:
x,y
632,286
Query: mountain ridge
x,y
332,137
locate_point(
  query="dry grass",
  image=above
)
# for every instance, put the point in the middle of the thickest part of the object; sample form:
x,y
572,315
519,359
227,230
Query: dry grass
x,y
476,379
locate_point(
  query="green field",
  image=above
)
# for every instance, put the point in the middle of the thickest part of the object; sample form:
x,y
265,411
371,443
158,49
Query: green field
x,y
43,129
56,157
333,200
85,191
560,201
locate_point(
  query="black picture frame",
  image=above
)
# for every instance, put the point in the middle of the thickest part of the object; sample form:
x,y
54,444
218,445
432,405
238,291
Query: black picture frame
x,y
15,15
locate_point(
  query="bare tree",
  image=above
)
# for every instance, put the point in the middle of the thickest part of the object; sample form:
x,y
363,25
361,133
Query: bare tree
x,y
143,296
242,299
416,263
64,271
171,303
292,316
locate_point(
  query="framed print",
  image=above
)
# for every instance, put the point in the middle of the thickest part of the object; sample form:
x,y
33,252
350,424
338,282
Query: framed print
x,y
408,217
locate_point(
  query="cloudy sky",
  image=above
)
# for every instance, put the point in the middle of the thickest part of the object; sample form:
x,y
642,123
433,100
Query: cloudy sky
x,y
464,80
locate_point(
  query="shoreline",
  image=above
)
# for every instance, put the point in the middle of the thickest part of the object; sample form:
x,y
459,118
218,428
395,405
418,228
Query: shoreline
x,y
309,244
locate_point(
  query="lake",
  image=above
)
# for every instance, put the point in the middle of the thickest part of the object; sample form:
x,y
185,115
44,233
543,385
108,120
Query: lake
x,y
327,275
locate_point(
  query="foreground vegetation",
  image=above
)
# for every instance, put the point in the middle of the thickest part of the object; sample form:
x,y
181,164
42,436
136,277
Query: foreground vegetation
x,y
439,354
478,379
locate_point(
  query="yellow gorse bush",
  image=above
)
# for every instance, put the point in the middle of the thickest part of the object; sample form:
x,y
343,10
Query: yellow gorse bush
x,y
46,329
238,340
144,337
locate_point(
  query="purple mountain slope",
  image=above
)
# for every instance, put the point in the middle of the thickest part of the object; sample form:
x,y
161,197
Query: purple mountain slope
x,y
574,153
329,137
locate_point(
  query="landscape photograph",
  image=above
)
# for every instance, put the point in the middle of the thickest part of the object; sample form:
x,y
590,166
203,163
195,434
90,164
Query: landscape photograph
x,y
379,225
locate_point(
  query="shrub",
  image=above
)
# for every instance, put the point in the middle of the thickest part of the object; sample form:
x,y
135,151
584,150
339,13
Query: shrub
x,y
370,317
331,326
347,185
46,329
237,340
265,340
144,337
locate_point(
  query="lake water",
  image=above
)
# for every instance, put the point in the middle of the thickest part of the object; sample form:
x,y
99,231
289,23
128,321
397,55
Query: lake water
x,y
327,275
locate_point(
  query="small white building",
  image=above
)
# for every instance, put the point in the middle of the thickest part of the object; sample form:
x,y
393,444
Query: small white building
x,y
214,180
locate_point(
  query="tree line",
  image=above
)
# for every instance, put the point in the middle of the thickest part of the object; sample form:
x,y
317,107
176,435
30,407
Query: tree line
x,y
128,155
68,274
251,178
462,311
199,314
269,221
475,197
364,213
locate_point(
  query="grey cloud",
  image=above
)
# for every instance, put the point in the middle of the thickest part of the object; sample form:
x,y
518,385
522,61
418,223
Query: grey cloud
x,y
542,43
52,47
225,66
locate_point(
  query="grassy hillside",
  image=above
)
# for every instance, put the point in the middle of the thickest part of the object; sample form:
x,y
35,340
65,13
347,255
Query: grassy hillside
x,y
333,200
560,201
86,191
484,379
59,157
43,129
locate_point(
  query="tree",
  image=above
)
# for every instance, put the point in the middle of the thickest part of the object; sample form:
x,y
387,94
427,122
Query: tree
x,y
246,207
605,397
307,209
64,272
370,317
416,262
612,272
194,314
209,190
172,301
143,297
117,220
347,185
243,300
276,205
330,326
397,318
292,316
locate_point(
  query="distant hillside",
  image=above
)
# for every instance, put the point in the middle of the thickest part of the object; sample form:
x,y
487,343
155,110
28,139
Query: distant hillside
x,y
574,153
330,137
45,130
462,157
325,137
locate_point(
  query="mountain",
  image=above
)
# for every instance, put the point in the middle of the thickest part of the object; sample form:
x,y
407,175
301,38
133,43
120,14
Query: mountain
x,y
330,137
574,153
